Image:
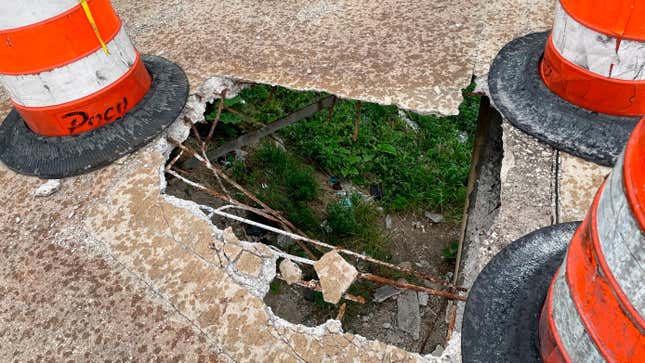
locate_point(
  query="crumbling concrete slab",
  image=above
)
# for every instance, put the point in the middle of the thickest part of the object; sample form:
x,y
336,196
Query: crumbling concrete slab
x,y
111,267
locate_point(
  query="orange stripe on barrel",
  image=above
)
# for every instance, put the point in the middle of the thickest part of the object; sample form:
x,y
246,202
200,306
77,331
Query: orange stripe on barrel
x,y
589,90
93,111
607,319
634,173
57,41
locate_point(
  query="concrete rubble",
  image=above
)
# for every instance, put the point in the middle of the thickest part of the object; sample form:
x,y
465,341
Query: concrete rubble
x,y
385,292
336,276
290,271
110,267
408,316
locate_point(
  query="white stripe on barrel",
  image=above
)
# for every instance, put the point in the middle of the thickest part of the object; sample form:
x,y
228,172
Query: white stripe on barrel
x,y
621,240
575,340
75,80
597,52
19,13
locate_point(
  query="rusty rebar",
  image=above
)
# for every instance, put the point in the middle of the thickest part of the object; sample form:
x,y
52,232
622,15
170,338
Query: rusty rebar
x,y
403,285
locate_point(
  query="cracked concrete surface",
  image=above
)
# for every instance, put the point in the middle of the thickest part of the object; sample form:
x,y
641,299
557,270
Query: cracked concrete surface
x,y
109,267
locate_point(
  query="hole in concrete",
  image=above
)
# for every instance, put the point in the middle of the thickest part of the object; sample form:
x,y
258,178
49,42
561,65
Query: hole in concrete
x,y
393,189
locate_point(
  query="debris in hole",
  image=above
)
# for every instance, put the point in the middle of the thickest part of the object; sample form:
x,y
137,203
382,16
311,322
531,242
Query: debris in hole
x,y
312,286
385,292
282,239
336,276
408,317
434,217
419,225
290,271
48,188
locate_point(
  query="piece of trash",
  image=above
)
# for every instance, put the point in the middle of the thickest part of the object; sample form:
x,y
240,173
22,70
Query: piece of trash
x,y
388,222
347,202
408,122
376,191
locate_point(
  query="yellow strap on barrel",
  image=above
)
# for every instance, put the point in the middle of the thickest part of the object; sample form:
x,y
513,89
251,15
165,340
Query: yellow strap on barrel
x,y
90,18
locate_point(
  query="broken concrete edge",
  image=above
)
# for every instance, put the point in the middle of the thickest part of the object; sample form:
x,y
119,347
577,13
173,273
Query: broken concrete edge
x,y
259,284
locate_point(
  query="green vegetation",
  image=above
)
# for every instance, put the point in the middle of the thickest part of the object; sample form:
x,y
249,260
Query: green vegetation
x,y
287,184
421,163
425,169
450,253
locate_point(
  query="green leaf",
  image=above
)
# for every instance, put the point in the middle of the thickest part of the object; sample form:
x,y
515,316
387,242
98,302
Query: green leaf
x,y
232,101
386,148
230,118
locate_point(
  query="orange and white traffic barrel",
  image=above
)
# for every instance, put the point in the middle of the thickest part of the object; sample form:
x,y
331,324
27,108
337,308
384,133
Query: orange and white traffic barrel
x,y
77,85
581,87
593,308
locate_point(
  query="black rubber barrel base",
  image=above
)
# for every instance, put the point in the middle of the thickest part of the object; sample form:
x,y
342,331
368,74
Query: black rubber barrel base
x,y
57,157
519,93
503,308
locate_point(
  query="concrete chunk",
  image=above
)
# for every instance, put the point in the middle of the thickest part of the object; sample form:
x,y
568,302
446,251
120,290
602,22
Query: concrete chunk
x,y
385,292
408,317
290,271
423,298
336,276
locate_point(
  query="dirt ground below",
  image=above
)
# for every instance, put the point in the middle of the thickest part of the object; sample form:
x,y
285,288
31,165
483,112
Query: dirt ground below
x,y
420,247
